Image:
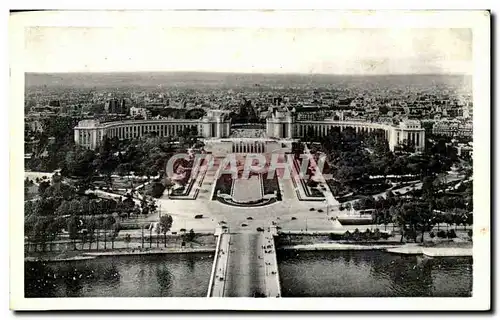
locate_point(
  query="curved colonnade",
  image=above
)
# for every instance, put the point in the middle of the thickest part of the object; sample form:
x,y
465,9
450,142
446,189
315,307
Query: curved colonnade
x,y
406,131
90,133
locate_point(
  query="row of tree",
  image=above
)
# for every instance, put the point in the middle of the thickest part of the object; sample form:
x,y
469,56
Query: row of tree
x,y
417,217
60,210
419,212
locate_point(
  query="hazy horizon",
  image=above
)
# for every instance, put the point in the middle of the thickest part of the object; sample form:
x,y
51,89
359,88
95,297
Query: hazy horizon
x,y
256,73
324,51
228,80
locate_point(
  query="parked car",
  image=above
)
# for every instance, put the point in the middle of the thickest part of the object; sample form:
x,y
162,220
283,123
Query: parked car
x,y
198,216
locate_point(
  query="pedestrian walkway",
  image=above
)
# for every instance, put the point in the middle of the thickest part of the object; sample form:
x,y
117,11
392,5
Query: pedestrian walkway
x,y
218,282
271,266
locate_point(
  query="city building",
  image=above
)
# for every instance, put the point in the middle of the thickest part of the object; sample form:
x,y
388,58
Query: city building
x,y
143,112
453,128
280,125
90,133
115,106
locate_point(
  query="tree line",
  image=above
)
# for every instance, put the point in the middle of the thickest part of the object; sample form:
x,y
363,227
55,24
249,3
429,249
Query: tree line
x,y
60,208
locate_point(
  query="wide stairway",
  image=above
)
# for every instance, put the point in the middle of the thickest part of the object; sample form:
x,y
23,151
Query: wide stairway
x,y
209,179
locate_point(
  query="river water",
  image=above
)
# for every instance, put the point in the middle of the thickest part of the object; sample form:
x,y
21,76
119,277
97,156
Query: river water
x,y
167,275
303,274
372,274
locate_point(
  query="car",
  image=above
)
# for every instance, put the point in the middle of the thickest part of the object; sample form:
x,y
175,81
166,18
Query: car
x,y
312,209
198,216
259,229
244,225
293,218
249,218
320,210
222,222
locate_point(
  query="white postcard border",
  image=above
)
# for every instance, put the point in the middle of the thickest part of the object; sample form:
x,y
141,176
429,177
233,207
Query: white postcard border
x,y
479,21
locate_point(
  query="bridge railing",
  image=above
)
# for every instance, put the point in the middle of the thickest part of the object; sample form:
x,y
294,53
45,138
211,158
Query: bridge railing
x,y
214,266
272,279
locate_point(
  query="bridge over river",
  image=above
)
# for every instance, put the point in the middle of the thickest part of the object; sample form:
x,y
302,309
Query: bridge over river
x,y
245,266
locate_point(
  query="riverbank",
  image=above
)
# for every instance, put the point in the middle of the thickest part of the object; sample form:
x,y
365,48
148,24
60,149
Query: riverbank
x,y
77,256
336,246
154,251
432,251
406,249
302,242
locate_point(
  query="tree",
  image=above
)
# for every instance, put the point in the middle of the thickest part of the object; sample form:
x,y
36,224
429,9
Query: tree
x,y
136,211
359,204
91,228
122,169
424,219
348,206
448,219
460,217
116,230
397,220
40,233
382,216
189,237
127,239
428,191
469,218
29,222
165,225
150,236
168,186
107,224
157,189
79,163
63,209
53,228
42,187
142,235
152,206
158,232
73,228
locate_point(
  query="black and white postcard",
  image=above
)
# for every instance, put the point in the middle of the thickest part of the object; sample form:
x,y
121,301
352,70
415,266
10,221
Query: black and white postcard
x,y
224,156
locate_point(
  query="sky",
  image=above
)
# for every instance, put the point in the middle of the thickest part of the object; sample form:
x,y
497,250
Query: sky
x,y
248,50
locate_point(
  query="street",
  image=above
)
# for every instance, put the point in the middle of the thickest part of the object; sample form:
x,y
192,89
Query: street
x,y
245,277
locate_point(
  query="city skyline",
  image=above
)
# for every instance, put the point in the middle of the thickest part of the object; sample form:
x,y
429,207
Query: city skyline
x,y
249,51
